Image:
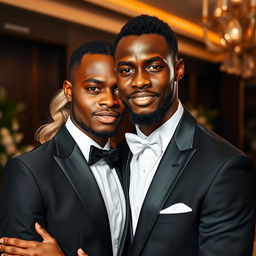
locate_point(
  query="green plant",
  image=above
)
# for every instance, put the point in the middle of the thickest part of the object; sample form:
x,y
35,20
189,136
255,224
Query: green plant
x,y
11,135
206,117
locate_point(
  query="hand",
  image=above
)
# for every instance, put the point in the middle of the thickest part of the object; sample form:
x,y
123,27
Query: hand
x,y
19,247
80,252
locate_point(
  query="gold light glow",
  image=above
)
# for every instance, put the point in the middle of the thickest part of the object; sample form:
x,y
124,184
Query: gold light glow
x,y
180,25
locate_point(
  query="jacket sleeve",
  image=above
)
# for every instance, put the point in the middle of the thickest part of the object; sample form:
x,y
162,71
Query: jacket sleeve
x,y
21,202
228,211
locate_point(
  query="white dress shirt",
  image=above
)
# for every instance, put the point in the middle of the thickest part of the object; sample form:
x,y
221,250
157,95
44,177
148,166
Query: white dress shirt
x,y
108,182
143,166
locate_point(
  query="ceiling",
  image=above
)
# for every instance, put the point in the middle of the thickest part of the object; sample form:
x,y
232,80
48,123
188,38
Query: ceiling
x,y
188,9
110,15
183,20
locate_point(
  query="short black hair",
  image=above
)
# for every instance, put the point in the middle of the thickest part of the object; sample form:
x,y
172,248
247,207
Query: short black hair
x,y
93,47
145,24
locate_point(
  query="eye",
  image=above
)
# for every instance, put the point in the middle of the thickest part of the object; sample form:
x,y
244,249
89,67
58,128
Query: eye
x,y
154,68
93,89
116,92
125,71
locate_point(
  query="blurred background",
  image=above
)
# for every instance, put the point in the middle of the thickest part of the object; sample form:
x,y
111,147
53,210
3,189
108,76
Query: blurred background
x,y
216,40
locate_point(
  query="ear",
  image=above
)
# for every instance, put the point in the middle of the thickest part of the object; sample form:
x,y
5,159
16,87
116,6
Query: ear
x,y
179,69
67,87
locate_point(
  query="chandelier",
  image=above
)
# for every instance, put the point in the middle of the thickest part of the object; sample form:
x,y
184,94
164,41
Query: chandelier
x,y
235,23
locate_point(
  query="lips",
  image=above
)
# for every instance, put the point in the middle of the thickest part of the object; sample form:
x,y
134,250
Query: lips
x,y
106,117
142,98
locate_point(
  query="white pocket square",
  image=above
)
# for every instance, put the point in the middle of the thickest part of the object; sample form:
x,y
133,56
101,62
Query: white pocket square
x,y
176,208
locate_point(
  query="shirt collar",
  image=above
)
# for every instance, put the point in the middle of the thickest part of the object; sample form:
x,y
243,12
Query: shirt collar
x,y
166,130
83,141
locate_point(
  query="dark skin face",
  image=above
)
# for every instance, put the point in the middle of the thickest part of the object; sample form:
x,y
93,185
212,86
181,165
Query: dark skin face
x,y
96,106
147,77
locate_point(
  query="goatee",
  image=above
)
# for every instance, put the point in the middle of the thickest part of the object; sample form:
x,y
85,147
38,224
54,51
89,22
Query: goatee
x,y
153,117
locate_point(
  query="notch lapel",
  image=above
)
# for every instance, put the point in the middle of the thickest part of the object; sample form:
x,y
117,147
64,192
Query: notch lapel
x,y
73,164
177,155
125,177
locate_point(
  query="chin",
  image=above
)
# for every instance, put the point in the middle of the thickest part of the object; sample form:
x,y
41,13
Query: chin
x,y
106,130
146,118
104,133
97,130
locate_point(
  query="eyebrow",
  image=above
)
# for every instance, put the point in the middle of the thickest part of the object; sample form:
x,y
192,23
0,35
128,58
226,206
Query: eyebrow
x,y
92,80
153,59
128,63
124,63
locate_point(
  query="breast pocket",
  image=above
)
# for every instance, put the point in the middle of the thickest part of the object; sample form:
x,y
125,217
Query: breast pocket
x,y
176,218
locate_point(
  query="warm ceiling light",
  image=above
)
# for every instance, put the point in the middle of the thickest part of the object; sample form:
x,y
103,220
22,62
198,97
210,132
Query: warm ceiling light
x,y
235,22
135,7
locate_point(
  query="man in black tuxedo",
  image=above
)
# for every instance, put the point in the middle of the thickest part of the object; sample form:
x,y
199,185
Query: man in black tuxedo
x,y
190,191
69,184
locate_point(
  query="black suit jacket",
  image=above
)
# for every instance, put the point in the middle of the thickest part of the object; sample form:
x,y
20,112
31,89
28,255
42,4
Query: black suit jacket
x,y
211,177
54,186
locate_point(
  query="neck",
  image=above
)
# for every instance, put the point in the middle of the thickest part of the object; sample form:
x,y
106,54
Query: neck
x,y
147,129
99,140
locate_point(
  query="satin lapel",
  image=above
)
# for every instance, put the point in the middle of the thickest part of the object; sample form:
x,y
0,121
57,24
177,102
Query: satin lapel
x,y
125,183
126,178
73,164
176,157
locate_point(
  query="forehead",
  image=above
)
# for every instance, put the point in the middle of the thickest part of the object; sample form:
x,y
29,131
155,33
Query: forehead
x,y
143,45
96,64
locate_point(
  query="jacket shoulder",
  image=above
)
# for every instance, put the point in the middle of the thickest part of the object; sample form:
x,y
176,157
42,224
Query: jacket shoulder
x,y
39,153
215,142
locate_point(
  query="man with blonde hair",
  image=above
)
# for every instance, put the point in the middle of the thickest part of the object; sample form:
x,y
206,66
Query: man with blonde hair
x,y
70,184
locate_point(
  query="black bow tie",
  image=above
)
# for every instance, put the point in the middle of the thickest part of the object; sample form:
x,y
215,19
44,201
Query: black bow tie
x,y
110,156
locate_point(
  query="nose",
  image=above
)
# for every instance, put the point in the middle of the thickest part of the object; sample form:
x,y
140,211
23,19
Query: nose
x,y
108,99
141,80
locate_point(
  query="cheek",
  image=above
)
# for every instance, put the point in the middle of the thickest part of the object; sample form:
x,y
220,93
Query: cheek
x,y
162,80
124,83
121,105
82,106
79,104
166,76
123,93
